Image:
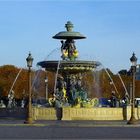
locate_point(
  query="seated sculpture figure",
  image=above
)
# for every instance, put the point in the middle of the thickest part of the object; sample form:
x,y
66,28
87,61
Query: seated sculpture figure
x,y
11,100
60,94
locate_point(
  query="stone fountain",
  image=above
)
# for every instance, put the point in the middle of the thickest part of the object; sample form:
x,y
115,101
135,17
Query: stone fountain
x,y
69,89
70,94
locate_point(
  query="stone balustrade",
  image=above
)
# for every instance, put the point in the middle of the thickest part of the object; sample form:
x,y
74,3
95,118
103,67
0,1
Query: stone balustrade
x,y
84,113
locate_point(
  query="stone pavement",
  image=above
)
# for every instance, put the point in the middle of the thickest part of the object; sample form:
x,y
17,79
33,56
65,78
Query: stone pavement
x,y
73,123
68,130
87,123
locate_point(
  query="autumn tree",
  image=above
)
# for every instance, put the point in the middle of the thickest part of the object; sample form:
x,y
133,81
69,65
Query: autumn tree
x,y
96,83
9,78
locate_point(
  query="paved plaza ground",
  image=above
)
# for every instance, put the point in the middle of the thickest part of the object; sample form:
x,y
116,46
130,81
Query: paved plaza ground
x,y
61,130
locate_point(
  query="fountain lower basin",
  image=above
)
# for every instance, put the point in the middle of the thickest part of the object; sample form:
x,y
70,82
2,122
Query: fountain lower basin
x,y
99,113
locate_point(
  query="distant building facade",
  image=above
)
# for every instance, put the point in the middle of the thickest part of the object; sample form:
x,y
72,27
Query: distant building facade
x,y
138,72
125,72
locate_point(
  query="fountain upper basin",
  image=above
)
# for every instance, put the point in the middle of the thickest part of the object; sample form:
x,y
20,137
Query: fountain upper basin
x,y
69,66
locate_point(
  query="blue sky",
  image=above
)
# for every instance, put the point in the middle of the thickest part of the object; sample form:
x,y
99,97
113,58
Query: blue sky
x,y
112,29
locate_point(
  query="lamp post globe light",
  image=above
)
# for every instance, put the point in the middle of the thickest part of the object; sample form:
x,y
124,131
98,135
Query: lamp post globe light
x,y
29,60
133,60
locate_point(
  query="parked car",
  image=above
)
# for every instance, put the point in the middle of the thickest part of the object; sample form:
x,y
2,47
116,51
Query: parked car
x,y
104,102
137,102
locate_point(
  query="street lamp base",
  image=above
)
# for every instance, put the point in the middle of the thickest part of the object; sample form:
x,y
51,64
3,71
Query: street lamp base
x,y
29,121
133,120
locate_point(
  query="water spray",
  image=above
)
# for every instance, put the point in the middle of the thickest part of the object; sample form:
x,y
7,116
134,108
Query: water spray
x,y
111,81
126,92
15,81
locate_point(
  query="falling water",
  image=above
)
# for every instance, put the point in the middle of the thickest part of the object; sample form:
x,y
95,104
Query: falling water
x,y
54,50
56,75
38,72
15,80
126,92
35,79
111,80
36,85
50,54
97,83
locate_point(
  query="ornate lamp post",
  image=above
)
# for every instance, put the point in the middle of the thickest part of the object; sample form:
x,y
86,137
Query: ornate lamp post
x,y
133,60
29,60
